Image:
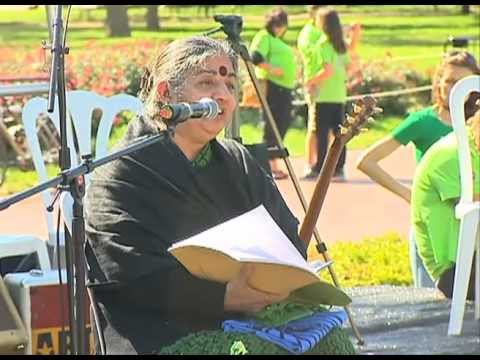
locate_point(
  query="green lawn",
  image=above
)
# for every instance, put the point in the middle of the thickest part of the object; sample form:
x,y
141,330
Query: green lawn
x,y
18,180
369,262
402,30
413,34
295,138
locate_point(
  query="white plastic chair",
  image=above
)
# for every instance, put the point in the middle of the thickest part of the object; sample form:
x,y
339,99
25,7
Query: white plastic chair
x,y
14,245
466,210
80,105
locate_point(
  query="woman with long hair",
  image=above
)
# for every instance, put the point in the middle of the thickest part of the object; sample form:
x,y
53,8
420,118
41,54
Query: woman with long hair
x,y
422,128
436,190
327,84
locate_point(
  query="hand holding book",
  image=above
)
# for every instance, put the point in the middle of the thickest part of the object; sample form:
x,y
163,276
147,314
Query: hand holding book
x,y
219,253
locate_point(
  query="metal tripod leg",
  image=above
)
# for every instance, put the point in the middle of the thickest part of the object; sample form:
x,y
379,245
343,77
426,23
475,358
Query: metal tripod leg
x,y
321,247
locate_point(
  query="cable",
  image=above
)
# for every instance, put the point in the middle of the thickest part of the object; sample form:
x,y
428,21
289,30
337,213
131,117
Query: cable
x,y
96,319
63,349
379,94
66,25
403,58
393,92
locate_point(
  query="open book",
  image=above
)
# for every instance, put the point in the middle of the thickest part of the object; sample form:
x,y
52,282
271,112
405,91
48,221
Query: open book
x,y
218,253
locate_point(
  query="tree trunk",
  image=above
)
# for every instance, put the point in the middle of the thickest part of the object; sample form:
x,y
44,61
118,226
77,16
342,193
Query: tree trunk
x,y
153,21
465,9
117,21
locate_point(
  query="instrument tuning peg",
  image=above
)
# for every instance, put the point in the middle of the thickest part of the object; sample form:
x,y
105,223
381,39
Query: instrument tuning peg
x,y
343,130
357,108
377,110
350,119
371,120
363,130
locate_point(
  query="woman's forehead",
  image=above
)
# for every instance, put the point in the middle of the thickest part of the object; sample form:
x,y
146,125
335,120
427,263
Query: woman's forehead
x,y
455,71
221,65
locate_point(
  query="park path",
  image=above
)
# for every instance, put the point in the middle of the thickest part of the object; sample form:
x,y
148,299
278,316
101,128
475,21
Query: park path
x,y
352,210
359,207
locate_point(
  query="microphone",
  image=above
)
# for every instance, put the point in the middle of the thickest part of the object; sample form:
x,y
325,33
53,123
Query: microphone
x,y
177,113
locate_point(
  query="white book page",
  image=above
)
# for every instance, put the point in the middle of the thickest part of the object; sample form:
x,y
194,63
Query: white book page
x,y
218,254
251,237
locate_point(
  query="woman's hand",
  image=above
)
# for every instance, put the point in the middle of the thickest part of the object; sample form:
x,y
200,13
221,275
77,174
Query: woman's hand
x,y
406,194
353,36
276,71
311,89
240,296
368,163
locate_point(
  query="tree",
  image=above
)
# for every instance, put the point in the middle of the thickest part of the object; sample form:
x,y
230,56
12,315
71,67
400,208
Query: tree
x,y
206,9
117,21
465,9
153,21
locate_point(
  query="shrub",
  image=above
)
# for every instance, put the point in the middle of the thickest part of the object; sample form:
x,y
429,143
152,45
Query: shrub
x,y
109,71
380,76
380,260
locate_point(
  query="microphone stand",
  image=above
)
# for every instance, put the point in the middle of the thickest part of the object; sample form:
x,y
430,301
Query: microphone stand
x,y
232,28
74,254
74,177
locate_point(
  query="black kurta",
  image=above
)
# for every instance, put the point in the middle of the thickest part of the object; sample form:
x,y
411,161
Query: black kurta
x,y
138,206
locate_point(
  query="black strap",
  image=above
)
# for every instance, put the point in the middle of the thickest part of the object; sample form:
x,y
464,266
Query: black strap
x,y
276,152
96,277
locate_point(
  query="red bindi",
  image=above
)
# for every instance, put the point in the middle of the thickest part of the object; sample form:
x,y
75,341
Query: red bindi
x,y
222,70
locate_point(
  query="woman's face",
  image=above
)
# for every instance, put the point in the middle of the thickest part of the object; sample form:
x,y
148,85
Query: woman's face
x,y
450,76
215,79
319,18
280,30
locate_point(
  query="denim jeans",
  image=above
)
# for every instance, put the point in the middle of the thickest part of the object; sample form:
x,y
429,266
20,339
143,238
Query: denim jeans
x,y
421,279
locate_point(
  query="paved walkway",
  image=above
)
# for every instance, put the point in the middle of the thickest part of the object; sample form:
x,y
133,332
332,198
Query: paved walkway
x,y
359,207
397,320
352,210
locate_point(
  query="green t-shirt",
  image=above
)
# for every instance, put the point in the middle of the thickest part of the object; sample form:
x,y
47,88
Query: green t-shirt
x,y
278,54
307,37
423,128
435,193
333,89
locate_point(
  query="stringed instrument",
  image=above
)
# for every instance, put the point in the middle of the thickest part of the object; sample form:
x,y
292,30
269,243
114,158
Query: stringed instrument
x,y
363,109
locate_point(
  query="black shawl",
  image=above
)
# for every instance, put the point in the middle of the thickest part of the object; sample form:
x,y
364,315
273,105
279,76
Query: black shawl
x,y
139,205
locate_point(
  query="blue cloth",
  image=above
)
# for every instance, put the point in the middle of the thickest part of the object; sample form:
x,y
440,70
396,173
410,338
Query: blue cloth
x,y
297,336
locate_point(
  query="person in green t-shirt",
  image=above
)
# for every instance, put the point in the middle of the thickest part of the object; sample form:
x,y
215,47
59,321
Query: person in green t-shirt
x,y
306,40
326,84
435,191
275,63
422,128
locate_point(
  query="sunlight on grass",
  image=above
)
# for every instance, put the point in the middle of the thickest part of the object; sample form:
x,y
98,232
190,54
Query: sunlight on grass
x,y
399,29
371,261
18,180
250,133
377,131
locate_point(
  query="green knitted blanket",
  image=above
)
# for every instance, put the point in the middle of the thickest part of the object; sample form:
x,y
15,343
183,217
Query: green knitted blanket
x,y
217,342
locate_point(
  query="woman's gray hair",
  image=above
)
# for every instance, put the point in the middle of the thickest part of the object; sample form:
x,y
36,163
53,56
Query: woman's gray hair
x,y
174,63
